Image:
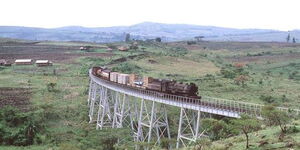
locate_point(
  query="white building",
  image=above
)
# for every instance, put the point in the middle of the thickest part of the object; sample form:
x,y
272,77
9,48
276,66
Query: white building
x,y
24,62
41,63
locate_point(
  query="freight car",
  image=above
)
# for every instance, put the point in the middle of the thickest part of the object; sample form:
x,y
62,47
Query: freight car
x,y
148,83
101,72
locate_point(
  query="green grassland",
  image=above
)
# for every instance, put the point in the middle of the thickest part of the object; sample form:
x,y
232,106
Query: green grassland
x,y
271,71
266,138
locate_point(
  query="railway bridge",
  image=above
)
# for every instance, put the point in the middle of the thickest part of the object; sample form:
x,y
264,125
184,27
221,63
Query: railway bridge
x,y
112,105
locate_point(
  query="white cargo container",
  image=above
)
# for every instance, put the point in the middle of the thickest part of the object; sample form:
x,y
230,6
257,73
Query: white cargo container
x,y
123,78
114,76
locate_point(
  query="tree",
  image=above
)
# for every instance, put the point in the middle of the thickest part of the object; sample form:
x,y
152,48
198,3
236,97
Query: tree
x,y
202,144
191,42
288,38
51,87
246,125
199,38
239,65
294,40
273,116
127,37
241,79
158,39
134,46
19,128
216,129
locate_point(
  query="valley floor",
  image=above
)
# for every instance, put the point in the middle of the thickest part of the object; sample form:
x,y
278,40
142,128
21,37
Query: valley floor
x,y
270,73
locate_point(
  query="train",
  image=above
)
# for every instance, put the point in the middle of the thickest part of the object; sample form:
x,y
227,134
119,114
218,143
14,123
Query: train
x,y
163,86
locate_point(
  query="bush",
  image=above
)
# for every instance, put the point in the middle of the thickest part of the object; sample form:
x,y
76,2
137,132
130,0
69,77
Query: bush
x,y
127,68
228,73
19,129
51,87
293,129
191,42
267,98
177,51
273,116
216,129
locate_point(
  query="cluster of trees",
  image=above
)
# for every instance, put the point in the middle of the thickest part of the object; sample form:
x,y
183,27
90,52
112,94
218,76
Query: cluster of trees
x,y
128,39
19,128
127,68
288,38
236,72
219,129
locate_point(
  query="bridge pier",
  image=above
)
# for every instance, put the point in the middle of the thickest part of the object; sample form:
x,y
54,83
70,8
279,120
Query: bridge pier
x,y
93,100
189,127
153,125
122,111
105,116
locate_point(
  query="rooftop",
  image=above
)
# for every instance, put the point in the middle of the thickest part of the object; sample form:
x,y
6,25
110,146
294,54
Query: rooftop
x,y
23,60
42,61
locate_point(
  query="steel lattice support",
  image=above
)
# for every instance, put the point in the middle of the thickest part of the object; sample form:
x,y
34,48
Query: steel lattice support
x,y
94,99
91,91
153,123
105,115
189,126
122,111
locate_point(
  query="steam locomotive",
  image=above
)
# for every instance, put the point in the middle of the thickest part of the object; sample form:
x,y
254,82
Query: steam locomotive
x,y
148,83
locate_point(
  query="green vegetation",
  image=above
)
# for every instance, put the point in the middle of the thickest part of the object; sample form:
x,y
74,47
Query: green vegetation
x,y
127,68
20,129
264,74
246,125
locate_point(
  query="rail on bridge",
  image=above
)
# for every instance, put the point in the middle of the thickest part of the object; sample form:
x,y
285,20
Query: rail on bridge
x,y
114,105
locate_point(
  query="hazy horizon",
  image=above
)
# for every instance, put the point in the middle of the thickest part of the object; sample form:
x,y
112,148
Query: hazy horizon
x,y
145,22
254,14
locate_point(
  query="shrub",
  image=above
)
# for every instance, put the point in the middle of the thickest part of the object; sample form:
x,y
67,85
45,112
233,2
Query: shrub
x,y
216,129
67,146
276,117
228,73
267,98
51,87
202,144
293,129
127,68
241,79
111,46
177,51
18,128
260,82
191,42
246,125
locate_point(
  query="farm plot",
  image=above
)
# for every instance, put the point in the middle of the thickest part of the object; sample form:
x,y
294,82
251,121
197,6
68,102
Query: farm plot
x,y
16,97
55,53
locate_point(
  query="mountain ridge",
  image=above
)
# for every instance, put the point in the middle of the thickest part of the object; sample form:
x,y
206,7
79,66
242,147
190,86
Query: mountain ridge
x,y
145,30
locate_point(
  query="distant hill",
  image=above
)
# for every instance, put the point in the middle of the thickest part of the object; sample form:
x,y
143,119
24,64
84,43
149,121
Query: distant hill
x,y
146,30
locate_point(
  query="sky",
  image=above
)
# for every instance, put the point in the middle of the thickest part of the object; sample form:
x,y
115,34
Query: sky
x,y
263,14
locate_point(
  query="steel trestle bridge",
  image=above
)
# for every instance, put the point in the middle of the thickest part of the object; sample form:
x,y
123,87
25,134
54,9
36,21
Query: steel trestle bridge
x,y
113,105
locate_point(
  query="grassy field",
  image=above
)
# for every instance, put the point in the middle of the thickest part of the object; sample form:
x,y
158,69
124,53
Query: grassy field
x,y
271,70
156,65
267,138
